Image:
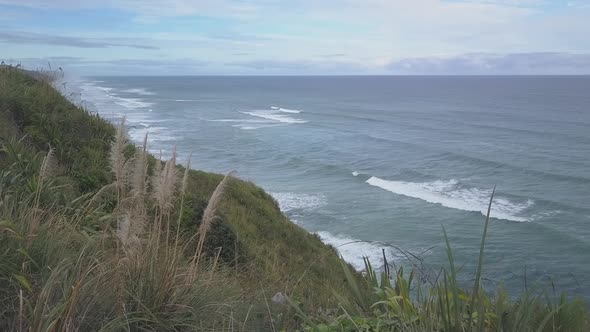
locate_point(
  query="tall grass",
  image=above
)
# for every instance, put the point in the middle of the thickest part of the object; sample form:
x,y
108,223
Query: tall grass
x,y
57,276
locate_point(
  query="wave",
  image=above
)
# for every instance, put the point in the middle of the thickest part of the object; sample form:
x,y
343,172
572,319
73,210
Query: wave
x,y
452,195
274,115
353,250
271,117
112,108
156,134
138,125
105,89
103,97
289,202
131,103
246,124
139,91
253,127
193,100
285,110
238,120
246,127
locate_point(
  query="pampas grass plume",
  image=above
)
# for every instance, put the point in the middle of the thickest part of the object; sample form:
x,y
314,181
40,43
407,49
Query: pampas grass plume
x,y
209,214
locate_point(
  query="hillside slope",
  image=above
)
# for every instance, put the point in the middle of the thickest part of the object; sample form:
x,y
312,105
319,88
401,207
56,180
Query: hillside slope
x,y
253,234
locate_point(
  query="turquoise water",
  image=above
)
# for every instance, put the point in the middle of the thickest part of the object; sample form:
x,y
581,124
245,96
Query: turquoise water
x,y
385,162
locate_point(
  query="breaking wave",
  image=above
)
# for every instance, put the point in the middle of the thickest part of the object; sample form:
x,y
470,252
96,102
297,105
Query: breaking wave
x,y
452,195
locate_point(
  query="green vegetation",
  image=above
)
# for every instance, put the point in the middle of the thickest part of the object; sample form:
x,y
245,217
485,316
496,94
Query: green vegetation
x,y
96,234
80,196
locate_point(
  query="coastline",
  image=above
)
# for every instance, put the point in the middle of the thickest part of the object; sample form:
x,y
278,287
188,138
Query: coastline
x,y
80,223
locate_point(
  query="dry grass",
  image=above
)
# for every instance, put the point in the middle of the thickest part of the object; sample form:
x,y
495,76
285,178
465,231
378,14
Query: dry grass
x,y
209,216
122,278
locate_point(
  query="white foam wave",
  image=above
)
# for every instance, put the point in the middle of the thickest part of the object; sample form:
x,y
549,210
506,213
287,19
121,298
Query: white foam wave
x,y
274,115
132,103
140,91
353,250
193,100
254,127
544,214
247,124
284,110
139,117
294,201
238,120
355,173
270,118
156,134
450,194
104,100
137,125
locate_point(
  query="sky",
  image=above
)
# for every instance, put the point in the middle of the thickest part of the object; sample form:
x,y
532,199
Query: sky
x,y
298,37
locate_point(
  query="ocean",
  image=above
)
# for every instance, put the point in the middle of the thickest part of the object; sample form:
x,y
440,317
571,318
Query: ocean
x,y
384,162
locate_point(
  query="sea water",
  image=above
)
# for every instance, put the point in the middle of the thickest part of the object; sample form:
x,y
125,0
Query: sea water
x,y
372,163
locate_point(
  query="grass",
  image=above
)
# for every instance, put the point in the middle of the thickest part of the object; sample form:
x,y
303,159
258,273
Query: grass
x,y
96,234
100,262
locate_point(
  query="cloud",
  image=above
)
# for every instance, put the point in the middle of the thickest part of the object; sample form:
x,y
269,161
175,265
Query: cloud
x,y
270,36
236,36
534,63
539,63
332,55
84,66
494,64
273,64
44,62
149,10
302,67
519,3
151,63
38,38
10,15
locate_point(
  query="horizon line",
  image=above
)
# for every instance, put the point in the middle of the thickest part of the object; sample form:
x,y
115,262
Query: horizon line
x,y
342,75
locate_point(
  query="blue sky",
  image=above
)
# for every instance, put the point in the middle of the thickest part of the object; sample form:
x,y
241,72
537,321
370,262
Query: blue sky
x,y
298,37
